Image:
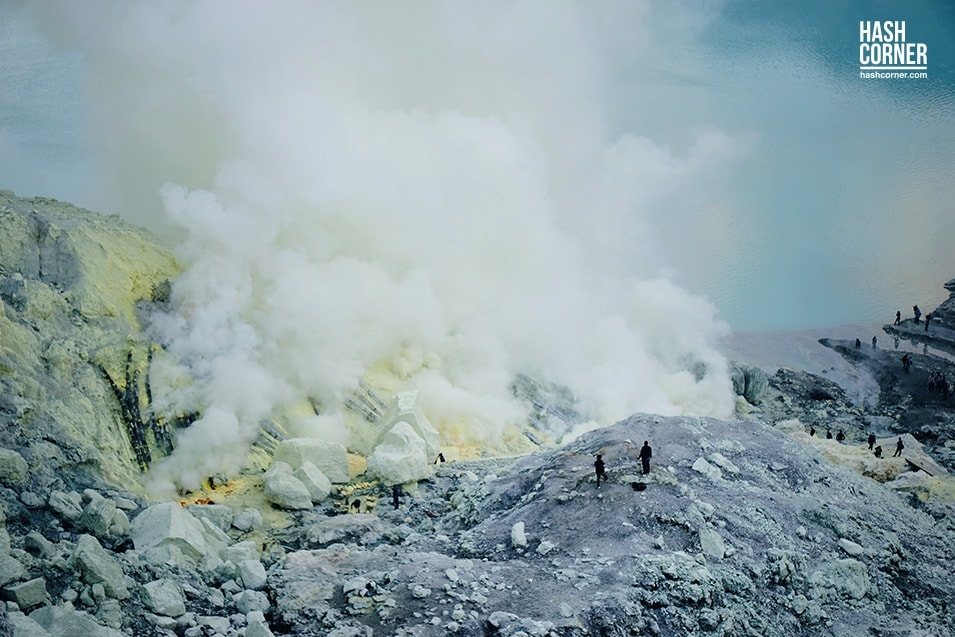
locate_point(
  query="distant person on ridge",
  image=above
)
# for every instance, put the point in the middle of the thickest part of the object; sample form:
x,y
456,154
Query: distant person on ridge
x,y
812,430
874,341
917,312
858,343
871,441
828,434
395,494
898,448
840,436
898,317
645,454
599,469
928,317
878,451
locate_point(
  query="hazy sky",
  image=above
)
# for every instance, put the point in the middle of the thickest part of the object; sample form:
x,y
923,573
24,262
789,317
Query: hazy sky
x,y
829,203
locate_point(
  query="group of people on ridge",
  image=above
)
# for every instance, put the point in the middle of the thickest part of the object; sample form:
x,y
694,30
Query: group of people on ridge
x,y
876,449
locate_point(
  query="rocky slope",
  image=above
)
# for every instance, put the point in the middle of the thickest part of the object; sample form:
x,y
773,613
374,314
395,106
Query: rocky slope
x,y
742,527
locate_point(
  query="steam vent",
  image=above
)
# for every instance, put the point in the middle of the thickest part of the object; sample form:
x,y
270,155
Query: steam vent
x,y
750,525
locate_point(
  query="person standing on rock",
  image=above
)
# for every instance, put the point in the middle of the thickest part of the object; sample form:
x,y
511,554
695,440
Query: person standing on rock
x,y
828,434
871,441
917,312
928,318
840,436
812,430
645,454
875,341
898,449
898,317
599,469
395,494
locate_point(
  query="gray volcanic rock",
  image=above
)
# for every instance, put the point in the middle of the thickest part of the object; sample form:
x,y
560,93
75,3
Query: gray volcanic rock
x,y
742,527
776,541
70,282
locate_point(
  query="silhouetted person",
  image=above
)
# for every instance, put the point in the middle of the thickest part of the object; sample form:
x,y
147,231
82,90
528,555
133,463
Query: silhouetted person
x,y
858,343
898,317
645,454
898,448
878,451
599,469
395,494
917,312
840,436
875,341
440,459
812,430
828,434
906,362
871,441
928,317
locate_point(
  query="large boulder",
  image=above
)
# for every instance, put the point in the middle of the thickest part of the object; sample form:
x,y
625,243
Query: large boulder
x,y
402,456
404,408
11,570
13,468
331,458
169,524
28,595
97,566
319,487
164,597
283,489
65,621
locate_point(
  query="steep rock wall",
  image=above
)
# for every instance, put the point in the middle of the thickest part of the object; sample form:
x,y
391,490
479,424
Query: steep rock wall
x,y
70,284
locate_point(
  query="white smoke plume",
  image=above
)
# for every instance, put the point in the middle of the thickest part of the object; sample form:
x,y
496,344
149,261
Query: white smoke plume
x,y
430,191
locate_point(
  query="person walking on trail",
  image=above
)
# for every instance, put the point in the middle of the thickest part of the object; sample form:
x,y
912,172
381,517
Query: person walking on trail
x,y
917,312
898,448
871,441
599,469
898,317
875,342
645,454
395,494
928,317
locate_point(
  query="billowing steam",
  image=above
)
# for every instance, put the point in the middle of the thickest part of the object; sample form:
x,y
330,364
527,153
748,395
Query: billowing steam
x,y
426,193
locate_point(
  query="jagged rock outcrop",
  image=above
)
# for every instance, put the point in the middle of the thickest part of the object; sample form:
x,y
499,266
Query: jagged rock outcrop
x,y
70,283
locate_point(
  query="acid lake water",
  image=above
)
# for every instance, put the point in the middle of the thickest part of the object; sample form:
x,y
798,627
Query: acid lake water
x,y
836,207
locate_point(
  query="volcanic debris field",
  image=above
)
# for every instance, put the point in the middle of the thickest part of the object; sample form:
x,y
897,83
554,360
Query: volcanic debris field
x,y
746,526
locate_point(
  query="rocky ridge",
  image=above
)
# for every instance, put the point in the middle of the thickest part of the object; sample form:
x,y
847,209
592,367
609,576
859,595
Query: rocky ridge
x,y
743,527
